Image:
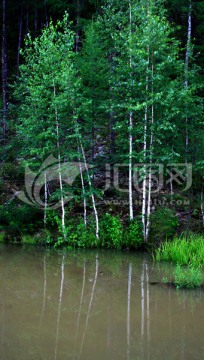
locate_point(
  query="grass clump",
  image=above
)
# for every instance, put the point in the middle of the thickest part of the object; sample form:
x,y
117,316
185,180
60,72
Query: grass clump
x,y
28,240
188,278
183,251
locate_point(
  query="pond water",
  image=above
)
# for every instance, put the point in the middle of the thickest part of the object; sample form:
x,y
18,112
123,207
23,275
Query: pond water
x,y
89,306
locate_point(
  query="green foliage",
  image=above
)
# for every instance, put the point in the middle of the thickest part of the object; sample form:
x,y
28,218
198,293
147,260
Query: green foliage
x,y
188,277
133,237
183,251
163,224
2,237
19,219
11,171
42,237
111,232
47,93
77,235
129,62
28,240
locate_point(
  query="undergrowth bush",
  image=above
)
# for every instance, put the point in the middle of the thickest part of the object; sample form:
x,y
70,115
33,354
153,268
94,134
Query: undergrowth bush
x,y
28,240
77,235
19,219
2,237
163,224
111,232
133,237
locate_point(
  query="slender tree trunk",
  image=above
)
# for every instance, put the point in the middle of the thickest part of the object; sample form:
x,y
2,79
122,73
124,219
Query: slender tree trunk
x,y
188,52
111,122
4,72
130,125
188,45
131,215
83,189
90,186
171,186
201,202
80,167
111,116
89,179
144,189
59,166
78,10
151,157
45,201
93,113
112,135
19,38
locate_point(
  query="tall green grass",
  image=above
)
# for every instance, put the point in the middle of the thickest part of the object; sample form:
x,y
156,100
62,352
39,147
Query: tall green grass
x,y
183,251
188,277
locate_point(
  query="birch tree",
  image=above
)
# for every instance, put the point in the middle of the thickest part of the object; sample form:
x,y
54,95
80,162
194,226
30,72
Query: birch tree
x,y
147,85
47,84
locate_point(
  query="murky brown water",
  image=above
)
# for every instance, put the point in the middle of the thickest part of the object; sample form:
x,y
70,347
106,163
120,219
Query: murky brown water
x,y
80,306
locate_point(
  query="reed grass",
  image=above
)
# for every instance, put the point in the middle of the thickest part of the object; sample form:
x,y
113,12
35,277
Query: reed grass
x,y
183,251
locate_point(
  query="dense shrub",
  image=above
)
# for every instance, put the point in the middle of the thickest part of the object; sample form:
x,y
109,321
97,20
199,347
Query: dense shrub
x,y
133,237
163,224
11,171
111,232
17,220
77,234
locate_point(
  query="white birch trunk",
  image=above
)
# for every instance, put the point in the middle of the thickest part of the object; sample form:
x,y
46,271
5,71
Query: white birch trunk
x,y
144,189
45,201
130,169
92,195
188,51
130,128
83,190
188,46
59,167
201,205
150,169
